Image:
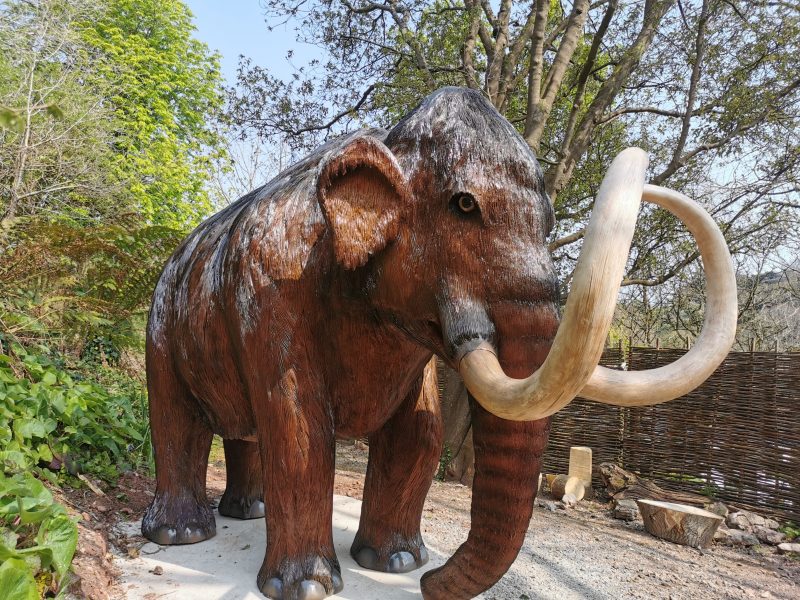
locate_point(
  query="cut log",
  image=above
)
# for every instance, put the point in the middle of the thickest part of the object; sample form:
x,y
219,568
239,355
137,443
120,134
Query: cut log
x,y
564,484
679,523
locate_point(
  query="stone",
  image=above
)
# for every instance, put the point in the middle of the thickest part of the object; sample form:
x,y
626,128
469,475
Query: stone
x,y
626,510
718,508
737,520
745,520
769,536
771,524
737,537
550,505
721,534
789,548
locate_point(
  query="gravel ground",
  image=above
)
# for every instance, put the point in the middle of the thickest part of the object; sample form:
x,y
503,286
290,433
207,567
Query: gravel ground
x,y
584,554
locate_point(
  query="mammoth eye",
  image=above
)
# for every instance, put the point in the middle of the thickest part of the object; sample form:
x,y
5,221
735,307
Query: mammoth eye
x,y
463,202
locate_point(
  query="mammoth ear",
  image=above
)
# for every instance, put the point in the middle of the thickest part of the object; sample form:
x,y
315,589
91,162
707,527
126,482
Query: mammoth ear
x,y
362,191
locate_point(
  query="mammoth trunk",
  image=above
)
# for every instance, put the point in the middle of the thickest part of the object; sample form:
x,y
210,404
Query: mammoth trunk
x,y
507,463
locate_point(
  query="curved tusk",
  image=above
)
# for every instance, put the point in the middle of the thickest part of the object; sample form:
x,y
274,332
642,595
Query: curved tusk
x,y
653,386
571,366
580,339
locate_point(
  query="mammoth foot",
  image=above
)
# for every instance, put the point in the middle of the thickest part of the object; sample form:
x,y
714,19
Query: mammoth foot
x,y
398,558
241,508
321,580
169,521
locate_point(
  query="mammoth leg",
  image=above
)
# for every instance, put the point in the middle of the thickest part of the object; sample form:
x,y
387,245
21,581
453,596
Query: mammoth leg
x,y
403,456
297,450
179,513
507,461
244,492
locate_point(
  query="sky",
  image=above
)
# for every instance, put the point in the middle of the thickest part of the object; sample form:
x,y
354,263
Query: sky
x,y
237,27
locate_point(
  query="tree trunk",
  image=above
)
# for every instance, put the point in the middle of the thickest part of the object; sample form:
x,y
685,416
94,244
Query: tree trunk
x,y
457,425
679,523
621,484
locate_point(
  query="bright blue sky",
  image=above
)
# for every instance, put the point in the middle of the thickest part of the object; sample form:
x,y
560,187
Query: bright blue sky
x,y
235,27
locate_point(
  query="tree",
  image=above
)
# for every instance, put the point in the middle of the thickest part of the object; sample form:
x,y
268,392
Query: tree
x,y
708,87
108,114
56,140
166,99
110,107
245,165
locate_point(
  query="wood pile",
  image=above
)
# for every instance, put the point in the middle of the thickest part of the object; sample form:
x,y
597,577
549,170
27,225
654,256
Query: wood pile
x,y
621,484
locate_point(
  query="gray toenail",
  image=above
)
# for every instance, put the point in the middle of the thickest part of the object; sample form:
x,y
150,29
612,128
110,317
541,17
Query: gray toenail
x,y
338,584
311,590
273,588
256,510
401,562
367,558
194,535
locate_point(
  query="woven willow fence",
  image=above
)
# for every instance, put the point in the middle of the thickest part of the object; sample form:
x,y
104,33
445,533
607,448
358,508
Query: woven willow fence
x,y
736,438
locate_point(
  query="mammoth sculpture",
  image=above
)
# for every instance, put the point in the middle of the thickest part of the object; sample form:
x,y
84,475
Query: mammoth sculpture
x,y
310,309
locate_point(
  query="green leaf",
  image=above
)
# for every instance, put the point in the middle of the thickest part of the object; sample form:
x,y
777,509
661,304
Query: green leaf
x,y
45,453
60,536
10,119
13,461
16,581
7,376
29,428
37,558
8,538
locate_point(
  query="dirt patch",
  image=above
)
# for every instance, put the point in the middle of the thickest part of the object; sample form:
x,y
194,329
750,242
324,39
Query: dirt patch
x,y
96,575
98,513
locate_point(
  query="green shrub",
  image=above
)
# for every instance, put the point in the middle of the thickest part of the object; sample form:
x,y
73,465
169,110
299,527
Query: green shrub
x,y
37,540
791,530
444,461
59,419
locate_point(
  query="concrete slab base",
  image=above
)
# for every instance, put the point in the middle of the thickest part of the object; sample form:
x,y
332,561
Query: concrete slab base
x,y
225,567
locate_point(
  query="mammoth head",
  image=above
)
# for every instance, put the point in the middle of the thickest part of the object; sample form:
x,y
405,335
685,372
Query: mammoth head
x,y
460,193
571,366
